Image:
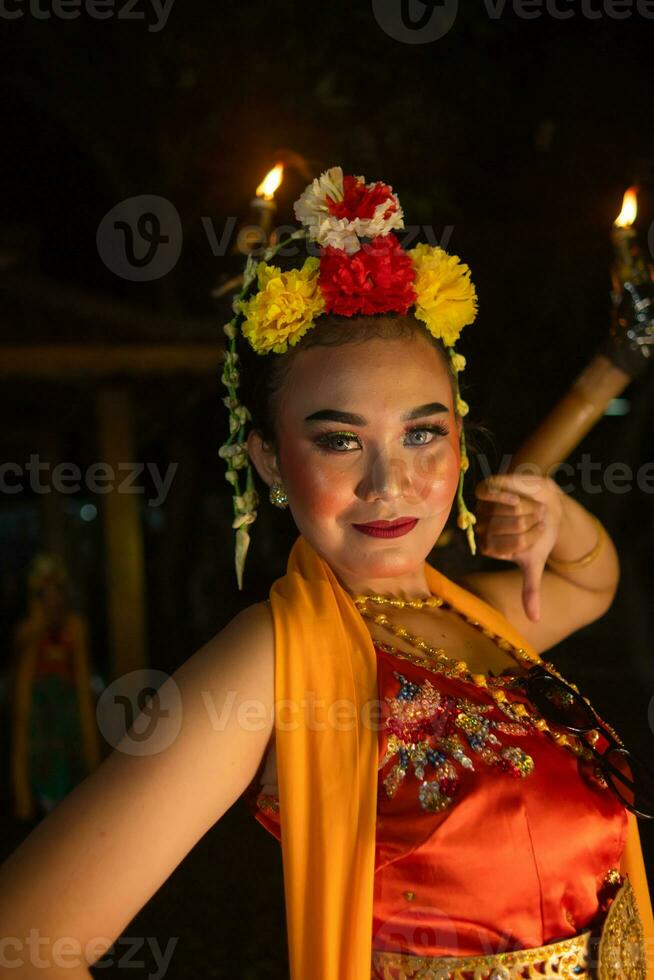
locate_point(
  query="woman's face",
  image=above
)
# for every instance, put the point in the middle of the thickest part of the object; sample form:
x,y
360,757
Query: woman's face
x,y
367,433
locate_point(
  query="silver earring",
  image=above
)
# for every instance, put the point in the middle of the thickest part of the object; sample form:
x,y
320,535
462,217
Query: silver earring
x,y
278,496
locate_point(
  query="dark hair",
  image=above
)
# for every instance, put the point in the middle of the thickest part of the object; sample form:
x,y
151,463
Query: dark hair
x,y
263,376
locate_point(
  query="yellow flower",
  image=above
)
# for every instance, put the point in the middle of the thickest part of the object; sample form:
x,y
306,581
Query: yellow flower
x,y
466,519
446,298
283,308
458,362
462,407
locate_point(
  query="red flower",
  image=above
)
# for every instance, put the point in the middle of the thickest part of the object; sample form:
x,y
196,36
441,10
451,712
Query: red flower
x,y
376,279
361,200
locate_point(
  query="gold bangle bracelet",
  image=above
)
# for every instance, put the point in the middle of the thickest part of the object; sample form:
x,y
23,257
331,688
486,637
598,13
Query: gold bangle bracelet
x,y
566,564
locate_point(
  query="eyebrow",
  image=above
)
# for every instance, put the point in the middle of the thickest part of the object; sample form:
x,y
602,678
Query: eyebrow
x,y
333,415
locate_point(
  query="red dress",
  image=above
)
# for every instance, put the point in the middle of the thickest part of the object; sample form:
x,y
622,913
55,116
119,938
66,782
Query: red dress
x,y
490,836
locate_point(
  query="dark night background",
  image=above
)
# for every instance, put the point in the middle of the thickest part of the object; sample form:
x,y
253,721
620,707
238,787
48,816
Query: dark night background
x,y
520,134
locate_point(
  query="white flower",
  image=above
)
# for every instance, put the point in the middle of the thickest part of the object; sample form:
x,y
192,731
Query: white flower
x,y
249,273
243,519
230,377
236,453
313,200
238,417
246,502
312,210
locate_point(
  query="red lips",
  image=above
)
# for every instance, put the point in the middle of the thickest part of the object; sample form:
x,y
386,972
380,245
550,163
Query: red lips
x,y
387,529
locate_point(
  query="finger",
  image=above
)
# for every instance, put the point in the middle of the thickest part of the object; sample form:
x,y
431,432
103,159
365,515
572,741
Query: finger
x,y
520,483
532,575
508,545
514,519
496,494
496,507
508,523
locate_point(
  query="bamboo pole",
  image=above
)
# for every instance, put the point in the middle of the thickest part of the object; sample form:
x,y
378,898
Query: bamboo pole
x,y
571,418
123,536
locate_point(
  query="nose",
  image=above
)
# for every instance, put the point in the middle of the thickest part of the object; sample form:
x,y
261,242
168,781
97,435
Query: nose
x,y
386,477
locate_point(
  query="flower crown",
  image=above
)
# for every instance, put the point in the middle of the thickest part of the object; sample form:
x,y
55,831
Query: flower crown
x,y
361,270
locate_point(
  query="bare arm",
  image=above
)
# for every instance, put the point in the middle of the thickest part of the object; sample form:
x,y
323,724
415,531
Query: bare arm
x,y
98,857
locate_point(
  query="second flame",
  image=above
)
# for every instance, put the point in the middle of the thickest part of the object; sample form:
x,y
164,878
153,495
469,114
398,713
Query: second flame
x,y
629,211
270,183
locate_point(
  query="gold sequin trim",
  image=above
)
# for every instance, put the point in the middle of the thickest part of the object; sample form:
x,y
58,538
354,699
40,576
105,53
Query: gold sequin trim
x,y
620,955
566,959
612,877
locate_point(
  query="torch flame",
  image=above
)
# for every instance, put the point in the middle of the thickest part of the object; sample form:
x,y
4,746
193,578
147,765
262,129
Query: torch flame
x,y
629,211
270,183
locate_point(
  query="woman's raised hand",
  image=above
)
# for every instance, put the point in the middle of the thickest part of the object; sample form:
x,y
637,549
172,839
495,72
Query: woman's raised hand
x,y
518,519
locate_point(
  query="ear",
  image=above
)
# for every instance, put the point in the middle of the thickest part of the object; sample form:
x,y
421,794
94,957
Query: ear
x,y
264,456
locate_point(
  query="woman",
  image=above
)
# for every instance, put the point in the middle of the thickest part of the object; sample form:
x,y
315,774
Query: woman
x,y
55,741
358,427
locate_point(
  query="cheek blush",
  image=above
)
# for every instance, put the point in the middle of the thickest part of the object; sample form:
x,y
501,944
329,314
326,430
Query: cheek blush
x,y
314,490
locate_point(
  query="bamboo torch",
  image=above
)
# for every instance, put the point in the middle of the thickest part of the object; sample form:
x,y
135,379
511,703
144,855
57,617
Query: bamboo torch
x,y
263,208
624,355
259,233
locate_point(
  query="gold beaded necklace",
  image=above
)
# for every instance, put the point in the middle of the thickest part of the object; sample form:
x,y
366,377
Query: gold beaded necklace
x,y
438,660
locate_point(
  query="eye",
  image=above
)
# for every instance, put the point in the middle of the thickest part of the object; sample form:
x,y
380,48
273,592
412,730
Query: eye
x,y
424,434
339,442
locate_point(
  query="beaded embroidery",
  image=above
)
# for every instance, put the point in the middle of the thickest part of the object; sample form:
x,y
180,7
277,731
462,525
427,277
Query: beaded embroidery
x,y
425,729
517,711
268,801
438,792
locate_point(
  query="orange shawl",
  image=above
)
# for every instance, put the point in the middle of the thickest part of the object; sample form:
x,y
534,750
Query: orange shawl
x,y
327,756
